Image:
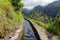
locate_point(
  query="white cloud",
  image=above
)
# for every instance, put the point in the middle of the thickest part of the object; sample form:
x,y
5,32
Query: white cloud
x,y
45,2
31,3
29,7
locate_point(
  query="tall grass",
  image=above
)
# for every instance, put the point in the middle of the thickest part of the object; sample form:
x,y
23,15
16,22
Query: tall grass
x,y
9,19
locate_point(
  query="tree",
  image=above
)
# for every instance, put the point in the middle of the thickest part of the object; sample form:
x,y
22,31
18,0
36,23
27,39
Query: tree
x,y
17,4
57,19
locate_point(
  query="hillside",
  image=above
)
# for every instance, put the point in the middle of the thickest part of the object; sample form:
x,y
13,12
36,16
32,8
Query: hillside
x,y
9,19
51,10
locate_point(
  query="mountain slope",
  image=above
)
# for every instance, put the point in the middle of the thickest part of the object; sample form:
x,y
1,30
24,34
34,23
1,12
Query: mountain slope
x,y
36,12
26,12
51,10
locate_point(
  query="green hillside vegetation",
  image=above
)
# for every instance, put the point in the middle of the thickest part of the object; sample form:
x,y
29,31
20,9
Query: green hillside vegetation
x,y
9,17
51,26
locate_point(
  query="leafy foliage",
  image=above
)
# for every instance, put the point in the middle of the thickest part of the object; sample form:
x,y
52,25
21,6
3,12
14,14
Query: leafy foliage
x,y
17,4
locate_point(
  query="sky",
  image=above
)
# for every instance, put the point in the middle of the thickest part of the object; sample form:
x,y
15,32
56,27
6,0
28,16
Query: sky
x,y
29,4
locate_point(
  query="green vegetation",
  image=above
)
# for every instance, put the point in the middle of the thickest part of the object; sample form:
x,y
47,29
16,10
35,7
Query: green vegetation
x,y
51,26
39,23
17,4
9,18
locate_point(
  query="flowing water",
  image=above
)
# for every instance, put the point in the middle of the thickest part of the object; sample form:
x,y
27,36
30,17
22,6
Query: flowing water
x,y
28,32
